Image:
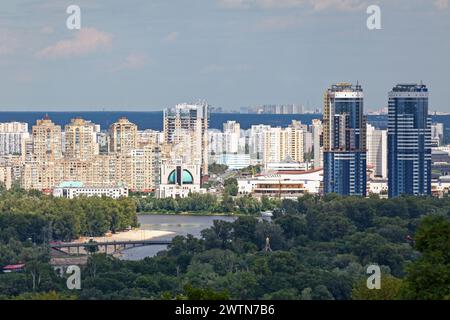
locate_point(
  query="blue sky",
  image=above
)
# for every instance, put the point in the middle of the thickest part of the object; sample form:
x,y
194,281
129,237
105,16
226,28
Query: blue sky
x,y
150,54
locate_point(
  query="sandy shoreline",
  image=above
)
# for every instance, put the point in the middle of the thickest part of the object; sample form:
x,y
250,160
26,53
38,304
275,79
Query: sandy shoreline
x,y
116,251
132,235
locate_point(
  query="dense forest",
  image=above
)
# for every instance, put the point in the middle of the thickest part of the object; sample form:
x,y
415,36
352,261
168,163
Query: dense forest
x,y
205,204
32,216
320,248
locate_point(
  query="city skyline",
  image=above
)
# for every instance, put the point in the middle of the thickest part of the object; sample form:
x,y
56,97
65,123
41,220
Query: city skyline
x,y
244,151
232,53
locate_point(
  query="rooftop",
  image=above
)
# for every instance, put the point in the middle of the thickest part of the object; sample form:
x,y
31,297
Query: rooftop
x,y
345,87
71,184
410,87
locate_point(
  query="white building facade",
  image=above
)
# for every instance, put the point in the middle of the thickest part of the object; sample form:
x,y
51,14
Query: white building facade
x,y
377,150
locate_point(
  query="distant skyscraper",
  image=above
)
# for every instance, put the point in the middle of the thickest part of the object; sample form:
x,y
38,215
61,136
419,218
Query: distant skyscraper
x,y
344,135
282,144
80,140
437,134
232,137
256,142
377,150
13,138
123,136
187,119
409,141
317,131
46,140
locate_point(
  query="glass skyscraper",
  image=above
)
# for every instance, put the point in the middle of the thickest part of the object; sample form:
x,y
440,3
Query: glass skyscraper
x,y
344,135
409,141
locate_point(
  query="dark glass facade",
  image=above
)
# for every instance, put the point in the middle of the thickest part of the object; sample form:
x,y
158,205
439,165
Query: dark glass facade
x,y
345,141
409,141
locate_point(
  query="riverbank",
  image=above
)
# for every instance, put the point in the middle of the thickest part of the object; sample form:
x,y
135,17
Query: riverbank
x,y
181,225
136,234
192,214
131,235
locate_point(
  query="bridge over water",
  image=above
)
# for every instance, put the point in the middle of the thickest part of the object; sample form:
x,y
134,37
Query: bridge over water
x,y
114,245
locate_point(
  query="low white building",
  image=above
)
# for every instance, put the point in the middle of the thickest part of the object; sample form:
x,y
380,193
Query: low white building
x,y
72,190
289,166
178,180
290,184
377,186
441,187
234,161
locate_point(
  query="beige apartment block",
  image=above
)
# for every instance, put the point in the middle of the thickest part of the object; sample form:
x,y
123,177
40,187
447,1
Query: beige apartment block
x,y
39,175
145,168
6,177
283,143
80,140
123,136
46,141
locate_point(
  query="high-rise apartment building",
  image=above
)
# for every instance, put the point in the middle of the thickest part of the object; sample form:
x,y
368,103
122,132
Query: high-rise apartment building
x,y
145,168
409,141
281,144
232,137
317,131
192,119
256,142
13,138
344,139
80,140
46,141
216,143
437,134
123,136
149,136
377,150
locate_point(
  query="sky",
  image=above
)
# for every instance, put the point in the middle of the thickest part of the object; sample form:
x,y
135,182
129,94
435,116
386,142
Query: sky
x,y
146,55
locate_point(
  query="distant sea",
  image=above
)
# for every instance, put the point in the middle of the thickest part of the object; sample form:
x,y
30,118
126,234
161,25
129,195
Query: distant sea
x,y
154,120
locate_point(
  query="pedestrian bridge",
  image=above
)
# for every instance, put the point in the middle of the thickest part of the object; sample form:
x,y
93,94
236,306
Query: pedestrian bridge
x,y
113,246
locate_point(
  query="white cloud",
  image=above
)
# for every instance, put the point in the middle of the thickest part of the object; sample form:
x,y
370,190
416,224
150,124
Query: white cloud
x,y
47,30
219,68
441,4
136,60
318,5
171,37
278,23
9,42
344,5
85,41
315,4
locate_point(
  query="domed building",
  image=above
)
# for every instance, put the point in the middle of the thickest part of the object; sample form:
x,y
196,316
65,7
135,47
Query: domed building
x,y
177,180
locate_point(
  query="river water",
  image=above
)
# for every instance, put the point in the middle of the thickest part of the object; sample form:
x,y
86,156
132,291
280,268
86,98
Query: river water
x,y
180,225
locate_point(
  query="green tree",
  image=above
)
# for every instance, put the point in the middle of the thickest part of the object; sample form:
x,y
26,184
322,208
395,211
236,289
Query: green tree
x,y
231,186
390,290
428,278
215,168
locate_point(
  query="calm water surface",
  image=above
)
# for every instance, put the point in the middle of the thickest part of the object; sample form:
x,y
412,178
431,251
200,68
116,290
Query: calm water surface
x,y
180,225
